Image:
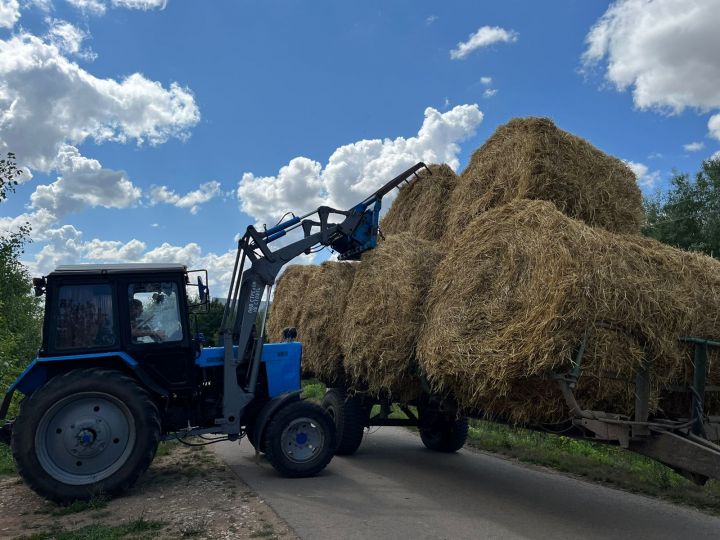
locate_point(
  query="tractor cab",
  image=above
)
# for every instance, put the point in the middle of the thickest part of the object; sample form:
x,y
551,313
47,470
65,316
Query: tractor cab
x,y
138,309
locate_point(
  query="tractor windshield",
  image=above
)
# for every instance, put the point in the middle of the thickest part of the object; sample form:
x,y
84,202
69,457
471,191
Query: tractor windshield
x,y
154,312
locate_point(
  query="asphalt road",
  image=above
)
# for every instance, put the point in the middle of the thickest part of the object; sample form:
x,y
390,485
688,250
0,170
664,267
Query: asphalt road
x,y
394,488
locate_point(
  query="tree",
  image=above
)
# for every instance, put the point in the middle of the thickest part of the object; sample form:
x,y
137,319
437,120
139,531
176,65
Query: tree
x,y
688,214
20,313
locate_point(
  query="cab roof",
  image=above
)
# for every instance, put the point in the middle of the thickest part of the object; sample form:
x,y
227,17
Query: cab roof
x,y
130,268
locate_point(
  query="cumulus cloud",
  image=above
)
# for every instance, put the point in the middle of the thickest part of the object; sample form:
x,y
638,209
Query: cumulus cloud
x,y
714,126
83,182
484,37
96,7
666,50
356,170
9,13
489,92
46,100
191,200
694,146
645,178
486,81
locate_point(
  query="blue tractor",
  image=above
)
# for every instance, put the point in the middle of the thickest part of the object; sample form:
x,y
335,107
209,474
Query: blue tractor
x,y
120,370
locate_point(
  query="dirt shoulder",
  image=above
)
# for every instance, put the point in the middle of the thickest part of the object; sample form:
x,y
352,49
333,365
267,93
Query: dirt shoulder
x,y
186,493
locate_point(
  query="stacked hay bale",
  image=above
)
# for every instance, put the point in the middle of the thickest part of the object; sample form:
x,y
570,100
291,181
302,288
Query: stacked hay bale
x,y
289,300
312,299
384,315
421,206
510,303
530,158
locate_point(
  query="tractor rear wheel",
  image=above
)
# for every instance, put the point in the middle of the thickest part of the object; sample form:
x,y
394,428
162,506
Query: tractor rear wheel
x,y
443,433
300,440
350,416
86,433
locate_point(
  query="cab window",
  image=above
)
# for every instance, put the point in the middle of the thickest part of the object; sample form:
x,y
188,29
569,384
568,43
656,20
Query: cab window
x,y
154,312
84,317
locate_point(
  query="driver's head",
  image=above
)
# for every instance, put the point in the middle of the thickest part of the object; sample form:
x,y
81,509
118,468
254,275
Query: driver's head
x,y
136,308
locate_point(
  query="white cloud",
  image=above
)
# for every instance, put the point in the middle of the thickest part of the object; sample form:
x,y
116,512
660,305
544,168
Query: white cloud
x,y
47,100
144,5
113,250
490,92
40,221
96,7
484,37
694,146
68,38
714,126
666,50
431,19
83,182
486,81
9,13
356,170
645,178
716,155
191,200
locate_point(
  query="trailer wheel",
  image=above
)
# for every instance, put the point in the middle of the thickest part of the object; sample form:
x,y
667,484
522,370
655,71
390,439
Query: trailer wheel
x,y
444,434
300,439
84,433
350,416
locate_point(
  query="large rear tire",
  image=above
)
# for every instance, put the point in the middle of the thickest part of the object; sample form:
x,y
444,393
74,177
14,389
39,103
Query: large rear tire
x,y
300,440
350,416
444,434
86,433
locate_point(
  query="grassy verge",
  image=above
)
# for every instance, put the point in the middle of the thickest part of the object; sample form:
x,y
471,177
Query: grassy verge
x,y
598,462
7,465
139,528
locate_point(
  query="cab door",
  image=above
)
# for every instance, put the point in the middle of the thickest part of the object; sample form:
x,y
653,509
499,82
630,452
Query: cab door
x,y
156,330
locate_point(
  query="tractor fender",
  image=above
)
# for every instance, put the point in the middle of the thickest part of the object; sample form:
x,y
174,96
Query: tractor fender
x,y
43,368
269,409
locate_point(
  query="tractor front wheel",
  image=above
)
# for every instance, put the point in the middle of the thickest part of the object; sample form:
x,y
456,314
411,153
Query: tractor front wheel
x,y
300,439
86,433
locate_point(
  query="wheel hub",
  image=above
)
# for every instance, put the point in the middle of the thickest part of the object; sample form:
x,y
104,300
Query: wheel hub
x,y
85,438
301,440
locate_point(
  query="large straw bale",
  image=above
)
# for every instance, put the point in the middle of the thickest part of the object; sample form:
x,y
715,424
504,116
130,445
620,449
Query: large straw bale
x,y
288,301
530,158
511,301
320,323
384,314
422,204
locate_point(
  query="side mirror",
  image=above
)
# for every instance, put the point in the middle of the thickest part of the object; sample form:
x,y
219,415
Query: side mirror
x,y
39,284
202,290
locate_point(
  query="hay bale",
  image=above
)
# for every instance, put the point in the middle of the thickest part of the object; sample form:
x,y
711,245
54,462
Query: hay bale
x,y
530,158
384,314
320,324
422,204
511,301
288,300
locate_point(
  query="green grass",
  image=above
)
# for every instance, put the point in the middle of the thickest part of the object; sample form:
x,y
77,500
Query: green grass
x,y
97,502
313,389
598,462
7,465
139,528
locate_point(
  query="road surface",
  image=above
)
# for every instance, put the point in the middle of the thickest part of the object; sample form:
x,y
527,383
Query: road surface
x,y
394,488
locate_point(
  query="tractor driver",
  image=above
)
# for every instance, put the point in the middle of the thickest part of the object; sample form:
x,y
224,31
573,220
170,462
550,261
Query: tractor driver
x,y
139,327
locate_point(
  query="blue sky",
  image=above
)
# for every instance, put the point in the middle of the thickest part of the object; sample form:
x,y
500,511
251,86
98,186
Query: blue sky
x,y
228,92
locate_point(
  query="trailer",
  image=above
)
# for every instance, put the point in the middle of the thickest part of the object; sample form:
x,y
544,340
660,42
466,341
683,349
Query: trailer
x,y
688,443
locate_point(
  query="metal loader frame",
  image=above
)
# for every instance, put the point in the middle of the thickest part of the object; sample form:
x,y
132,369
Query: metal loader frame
x,y
356,234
